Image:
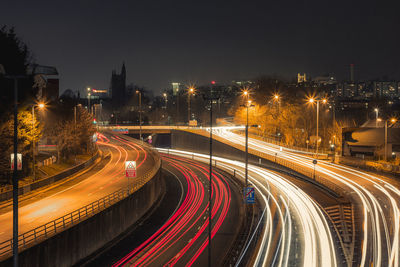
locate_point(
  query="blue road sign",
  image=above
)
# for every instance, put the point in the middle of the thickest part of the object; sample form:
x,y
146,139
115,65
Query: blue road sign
x,y
249,195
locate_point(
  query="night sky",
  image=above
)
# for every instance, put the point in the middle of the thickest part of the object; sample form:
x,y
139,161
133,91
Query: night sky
x,y
199,41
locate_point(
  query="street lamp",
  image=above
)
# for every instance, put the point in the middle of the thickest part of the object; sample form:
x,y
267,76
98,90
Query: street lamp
x,y
324,101
40,106
247,105
278,102
393,121
377,113
32,70
89,96
190,92
166,99
140,114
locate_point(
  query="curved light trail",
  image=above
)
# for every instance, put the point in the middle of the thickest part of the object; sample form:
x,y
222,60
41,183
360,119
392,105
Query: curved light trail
x,y
55,202
183,239
377,200
296,230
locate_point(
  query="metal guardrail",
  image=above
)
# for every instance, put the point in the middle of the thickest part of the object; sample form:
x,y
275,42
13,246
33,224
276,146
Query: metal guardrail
x,y
317,176
38,234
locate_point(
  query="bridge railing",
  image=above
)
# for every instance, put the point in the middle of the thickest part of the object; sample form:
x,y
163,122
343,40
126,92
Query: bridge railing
x,y
39,234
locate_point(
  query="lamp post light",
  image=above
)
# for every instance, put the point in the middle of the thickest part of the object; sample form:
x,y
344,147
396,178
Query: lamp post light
x,y
140,114
211,97
190,92
278,102
393,121
89,96
376,120
40,106
324,101
166,99
247,105
31,71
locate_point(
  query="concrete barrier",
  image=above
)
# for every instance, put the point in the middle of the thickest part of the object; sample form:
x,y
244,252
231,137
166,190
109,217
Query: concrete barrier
x,y
74,244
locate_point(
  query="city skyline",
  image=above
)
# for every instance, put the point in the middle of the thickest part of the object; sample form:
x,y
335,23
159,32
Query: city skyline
x,y
198,42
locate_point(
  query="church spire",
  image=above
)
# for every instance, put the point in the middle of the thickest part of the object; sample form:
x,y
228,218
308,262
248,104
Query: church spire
x,y
123,70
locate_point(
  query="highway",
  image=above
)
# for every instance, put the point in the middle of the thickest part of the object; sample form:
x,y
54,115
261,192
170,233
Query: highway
x,y
182,240
53,203
292,231
376,199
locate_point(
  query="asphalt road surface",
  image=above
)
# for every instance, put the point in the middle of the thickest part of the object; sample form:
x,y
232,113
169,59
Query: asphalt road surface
x,y
292,229
177,231
51,204
376,199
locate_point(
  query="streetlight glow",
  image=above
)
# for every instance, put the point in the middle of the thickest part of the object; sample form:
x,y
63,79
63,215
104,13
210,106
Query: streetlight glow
x,y
393,120
41,105
324,101
311,100
276,97
245,92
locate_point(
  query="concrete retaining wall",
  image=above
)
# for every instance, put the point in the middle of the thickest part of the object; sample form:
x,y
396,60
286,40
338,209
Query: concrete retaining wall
x,y
49,180
83,239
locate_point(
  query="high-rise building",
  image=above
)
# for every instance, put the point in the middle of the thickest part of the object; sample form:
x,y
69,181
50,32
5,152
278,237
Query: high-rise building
x,y
175,88
301,78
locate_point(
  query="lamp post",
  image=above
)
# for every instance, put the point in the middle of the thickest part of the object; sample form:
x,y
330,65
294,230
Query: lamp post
x,y
247,105
190,91
15,78
166,99
89,95
376,120
393,121
277,100
312,100
140,114
40,106
213,96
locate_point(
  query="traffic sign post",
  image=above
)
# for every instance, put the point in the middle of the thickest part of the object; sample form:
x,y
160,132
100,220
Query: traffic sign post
x,y
130,169
249,195
19,161
315,163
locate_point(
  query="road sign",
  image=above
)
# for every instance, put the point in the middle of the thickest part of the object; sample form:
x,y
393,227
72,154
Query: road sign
x,y
94,137
249,195
130,169
314,161
19,161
